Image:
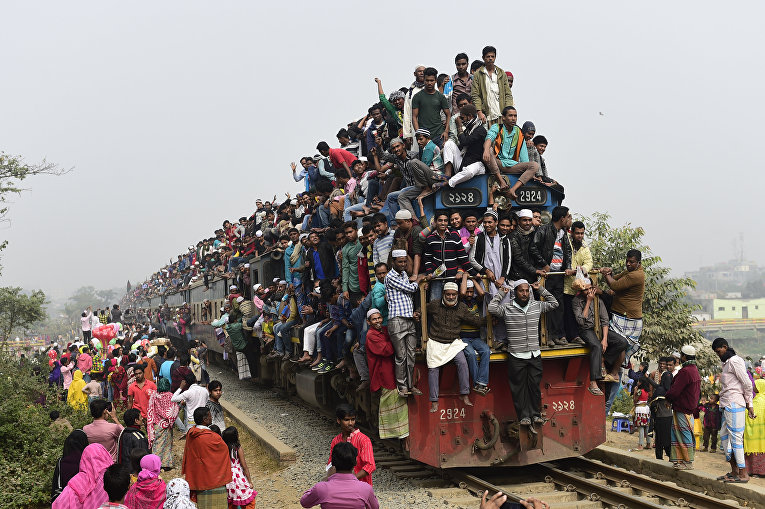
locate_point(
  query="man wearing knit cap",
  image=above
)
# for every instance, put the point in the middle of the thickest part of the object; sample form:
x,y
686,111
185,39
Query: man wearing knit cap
x,y
684,396
524,361
444,344
401,317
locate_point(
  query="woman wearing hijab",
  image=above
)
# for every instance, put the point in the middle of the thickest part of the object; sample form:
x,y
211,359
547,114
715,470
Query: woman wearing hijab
x,y
69,464
76,398
160,417
754,433
86,489
149,490
178,495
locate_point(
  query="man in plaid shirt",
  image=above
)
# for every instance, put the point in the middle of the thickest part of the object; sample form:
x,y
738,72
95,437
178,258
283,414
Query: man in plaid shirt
x,y
401,320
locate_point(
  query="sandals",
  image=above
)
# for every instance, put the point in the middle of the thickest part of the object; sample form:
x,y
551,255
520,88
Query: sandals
x,y
595,391
736,480
726,477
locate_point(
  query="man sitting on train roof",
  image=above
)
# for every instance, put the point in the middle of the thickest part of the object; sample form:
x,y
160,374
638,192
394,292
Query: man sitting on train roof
x,y
521,318
504,151
445,318
470,139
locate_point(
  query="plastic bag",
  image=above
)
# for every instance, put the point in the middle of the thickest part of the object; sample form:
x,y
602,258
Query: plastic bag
x,y
581,282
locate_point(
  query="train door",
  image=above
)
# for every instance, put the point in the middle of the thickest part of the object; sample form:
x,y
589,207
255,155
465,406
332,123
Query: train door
x,y
744,312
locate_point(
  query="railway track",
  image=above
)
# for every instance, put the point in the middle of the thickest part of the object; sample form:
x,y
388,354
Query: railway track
x,y
580,483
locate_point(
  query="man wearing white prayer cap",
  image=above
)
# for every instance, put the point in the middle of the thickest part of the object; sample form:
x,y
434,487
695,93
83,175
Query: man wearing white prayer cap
x,y
521,317
401,316
445,317
523,250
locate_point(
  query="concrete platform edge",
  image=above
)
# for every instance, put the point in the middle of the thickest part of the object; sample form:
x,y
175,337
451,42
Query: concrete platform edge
x,y
280,451
663,470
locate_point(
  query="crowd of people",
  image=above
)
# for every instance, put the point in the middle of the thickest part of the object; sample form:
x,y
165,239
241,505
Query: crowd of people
x,y
682,414
113,461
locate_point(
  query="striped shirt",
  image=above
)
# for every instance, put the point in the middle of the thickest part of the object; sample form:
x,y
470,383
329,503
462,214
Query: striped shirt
x,y
398,291
447,250
381,248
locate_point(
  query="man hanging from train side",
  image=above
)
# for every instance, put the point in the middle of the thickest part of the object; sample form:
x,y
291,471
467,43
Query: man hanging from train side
x,y
627,289
524,363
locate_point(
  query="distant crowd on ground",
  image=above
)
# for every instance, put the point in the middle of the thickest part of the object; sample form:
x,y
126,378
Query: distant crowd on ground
x,y
670,407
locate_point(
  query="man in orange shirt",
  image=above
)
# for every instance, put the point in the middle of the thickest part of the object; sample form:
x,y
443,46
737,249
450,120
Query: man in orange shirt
x,y
140,391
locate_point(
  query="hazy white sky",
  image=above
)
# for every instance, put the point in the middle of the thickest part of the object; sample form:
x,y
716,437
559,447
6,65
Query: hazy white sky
x,y
179,114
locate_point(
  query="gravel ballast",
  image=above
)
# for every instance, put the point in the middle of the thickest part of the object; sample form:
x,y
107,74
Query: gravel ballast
x,y
309,433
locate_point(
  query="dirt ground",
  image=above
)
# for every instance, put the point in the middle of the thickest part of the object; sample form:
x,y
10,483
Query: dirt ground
x,y
263,469
713,463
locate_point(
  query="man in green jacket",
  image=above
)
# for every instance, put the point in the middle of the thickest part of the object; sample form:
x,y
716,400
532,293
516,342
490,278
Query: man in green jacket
x,y
491,89
350,274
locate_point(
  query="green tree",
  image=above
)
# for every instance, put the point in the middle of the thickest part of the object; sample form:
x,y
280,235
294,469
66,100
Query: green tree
x,y
19,311
667,312
14,170
29,448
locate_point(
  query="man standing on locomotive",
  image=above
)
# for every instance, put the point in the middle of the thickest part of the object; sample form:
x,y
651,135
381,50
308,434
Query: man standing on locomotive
x,y
524,363
401,317
553,254
627,307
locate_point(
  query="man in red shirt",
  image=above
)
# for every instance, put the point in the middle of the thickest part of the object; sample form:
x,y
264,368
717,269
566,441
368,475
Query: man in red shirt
x,y
340,158
365,462
140,391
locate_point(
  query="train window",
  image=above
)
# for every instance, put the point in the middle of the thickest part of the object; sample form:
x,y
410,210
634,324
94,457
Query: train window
x,y
733,308
721,308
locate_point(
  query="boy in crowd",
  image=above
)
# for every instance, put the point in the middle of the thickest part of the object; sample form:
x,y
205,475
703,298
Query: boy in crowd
x,y
132,437
365,463
712,422
116,484
215,388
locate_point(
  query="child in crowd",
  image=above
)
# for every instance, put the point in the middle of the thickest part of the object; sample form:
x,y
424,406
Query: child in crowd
x,y
136,455
116,484
365,463
712,422
93,388
642,414
215,388
240,492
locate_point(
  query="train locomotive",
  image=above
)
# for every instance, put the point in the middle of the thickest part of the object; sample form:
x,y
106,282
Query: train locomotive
x,y
486,434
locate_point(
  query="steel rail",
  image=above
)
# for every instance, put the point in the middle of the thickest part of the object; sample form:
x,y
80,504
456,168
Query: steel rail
x,y
465,481
595,491
624,478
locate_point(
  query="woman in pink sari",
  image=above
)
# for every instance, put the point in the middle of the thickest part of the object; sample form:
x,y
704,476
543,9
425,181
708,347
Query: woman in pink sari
x,y
86,489
149,490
